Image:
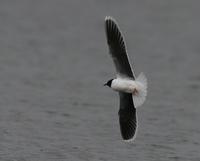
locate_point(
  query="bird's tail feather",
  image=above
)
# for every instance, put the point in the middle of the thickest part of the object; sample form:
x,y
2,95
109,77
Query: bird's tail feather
x,y
140,96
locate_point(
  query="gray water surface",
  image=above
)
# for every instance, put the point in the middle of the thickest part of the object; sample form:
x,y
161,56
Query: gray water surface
x,y
53,64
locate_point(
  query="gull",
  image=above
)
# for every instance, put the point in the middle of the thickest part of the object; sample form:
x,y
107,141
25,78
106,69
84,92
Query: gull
x,y
132,90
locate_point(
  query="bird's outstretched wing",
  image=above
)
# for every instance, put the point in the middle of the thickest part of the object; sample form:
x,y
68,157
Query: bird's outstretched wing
x,y
117,48
127,116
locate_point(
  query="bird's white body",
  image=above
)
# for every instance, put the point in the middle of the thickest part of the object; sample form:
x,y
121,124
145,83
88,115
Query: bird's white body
x,y
137,87
125,85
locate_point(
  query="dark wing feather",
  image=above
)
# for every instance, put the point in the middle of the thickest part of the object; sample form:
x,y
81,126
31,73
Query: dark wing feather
x,y
117,48
127,116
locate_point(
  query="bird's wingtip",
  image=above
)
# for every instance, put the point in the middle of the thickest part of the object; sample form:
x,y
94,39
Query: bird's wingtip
x,y
109,18
129,140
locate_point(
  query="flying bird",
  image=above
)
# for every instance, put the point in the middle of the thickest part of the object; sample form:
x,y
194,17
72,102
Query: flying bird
x,y
132,90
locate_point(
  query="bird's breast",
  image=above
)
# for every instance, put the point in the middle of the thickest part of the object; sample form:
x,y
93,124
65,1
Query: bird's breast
x,y
124,85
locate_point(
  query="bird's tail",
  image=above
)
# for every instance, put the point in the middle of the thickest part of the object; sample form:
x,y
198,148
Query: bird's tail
x,y
141,90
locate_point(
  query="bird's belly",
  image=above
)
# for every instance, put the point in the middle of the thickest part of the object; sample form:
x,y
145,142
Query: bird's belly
x,y
127,86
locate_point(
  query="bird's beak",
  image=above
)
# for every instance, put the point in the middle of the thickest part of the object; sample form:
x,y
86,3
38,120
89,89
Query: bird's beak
x,y
105,84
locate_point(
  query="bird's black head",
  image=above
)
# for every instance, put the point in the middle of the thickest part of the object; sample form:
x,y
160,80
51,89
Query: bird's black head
x,y
108,83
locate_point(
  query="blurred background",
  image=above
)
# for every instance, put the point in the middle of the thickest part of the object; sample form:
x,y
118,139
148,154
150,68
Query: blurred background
x,y
54,61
